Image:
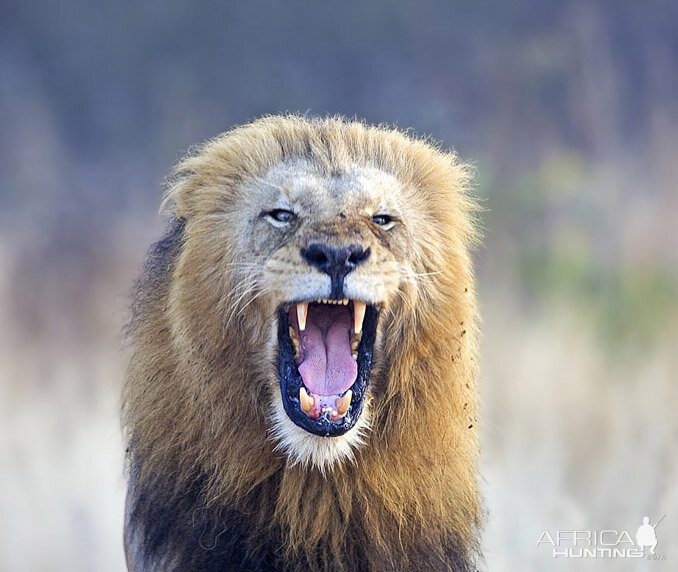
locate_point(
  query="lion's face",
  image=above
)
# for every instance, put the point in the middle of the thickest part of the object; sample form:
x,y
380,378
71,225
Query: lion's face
x,y
318,263
323,258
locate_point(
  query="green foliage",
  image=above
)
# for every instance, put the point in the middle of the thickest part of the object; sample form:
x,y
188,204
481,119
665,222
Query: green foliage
x,y
631,307
558,234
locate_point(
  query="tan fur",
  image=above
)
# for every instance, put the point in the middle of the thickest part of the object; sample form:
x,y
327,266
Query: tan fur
x,y
201,387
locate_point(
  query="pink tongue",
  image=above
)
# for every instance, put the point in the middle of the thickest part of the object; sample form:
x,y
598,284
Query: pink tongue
x,y
326,365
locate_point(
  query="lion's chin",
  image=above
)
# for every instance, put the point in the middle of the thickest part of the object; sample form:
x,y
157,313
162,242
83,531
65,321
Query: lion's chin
x,y
309,450
325,352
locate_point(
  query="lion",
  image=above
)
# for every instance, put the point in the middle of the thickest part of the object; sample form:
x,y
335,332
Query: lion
x,y
300,393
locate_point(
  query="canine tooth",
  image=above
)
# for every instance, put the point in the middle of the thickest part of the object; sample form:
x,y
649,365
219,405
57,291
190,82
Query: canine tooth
x,y
343,403
302,312
305,400
358,315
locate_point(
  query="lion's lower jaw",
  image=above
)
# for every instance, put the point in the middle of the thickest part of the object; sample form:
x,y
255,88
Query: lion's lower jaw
x,y
302,447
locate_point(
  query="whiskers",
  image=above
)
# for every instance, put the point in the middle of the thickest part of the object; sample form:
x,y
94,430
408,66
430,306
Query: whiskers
x,y
408,291
258,293
249,285
410,275
246,265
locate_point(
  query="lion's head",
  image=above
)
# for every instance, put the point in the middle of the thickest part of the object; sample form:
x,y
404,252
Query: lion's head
x,y
317,249
312,309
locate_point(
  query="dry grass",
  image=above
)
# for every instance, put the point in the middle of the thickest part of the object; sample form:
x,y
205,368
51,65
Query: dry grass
x,y
62,483
575,438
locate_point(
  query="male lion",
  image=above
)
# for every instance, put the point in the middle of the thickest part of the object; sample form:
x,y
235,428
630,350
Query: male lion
x,y
301,388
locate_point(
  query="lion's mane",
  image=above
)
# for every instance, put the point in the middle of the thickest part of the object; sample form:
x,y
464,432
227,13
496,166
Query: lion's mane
x,y
208,488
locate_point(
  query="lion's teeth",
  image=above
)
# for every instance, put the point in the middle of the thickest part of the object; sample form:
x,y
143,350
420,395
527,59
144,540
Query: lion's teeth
x,y
345,301
354,355
302,312
295,341
356,342
305,400
358,315
343,403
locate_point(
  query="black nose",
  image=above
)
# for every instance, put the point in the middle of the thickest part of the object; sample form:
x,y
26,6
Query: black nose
x,y
335,262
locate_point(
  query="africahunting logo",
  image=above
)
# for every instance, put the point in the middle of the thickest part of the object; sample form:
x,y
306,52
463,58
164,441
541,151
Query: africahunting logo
x,y
609,543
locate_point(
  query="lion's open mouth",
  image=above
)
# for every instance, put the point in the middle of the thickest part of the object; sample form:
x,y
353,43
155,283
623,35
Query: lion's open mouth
x,y
325,358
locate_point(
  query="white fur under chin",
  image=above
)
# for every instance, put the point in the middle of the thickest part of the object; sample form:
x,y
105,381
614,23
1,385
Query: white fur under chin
x,y
303,447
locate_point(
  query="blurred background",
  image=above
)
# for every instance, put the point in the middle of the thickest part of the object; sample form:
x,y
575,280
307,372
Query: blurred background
x,y
569,111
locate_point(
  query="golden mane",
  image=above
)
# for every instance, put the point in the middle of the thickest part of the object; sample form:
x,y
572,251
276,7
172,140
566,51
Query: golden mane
x,y
202,454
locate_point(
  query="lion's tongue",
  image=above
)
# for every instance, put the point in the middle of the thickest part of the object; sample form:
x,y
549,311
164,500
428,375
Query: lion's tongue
x,y
326,365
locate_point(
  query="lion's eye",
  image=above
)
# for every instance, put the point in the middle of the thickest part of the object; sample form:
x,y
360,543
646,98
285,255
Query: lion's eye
x,y
281,215
385,221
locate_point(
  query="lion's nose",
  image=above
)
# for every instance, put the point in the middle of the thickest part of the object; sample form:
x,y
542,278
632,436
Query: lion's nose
x,y
335,262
